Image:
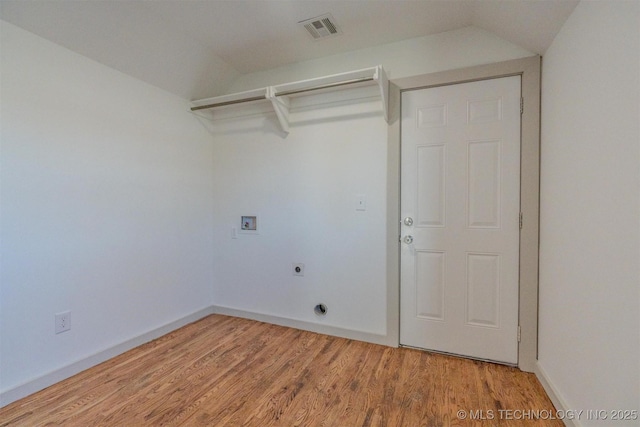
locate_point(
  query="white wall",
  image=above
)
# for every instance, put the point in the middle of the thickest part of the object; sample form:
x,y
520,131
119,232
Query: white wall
x,y
303,189
589,342
106,208
304,186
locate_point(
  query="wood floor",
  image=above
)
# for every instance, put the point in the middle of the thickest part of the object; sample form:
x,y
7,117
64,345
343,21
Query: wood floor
x,y
225,371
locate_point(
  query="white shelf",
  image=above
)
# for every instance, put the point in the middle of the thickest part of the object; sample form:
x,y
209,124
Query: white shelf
x,y
279,96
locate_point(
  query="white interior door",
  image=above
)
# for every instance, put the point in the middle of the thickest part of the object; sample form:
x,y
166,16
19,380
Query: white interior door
x,y
460,204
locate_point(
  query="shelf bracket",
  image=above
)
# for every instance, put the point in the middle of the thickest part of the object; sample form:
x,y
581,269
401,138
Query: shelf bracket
x,y
281,106
381,78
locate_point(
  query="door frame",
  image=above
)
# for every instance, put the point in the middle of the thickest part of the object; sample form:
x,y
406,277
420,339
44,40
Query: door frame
x,y
529,70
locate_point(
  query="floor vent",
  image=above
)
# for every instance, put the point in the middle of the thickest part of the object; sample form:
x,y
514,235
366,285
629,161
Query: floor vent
x,y
321,27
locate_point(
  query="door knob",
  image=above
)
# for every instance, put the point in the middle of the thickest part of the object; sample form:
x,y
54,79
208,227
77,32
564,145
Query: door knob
x,y
408,239
408,221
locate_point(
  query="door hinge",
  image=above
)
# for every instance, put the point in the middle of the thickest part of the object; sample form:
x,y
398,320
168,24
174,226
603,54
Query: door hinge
x,y
520,220
521,105
519,333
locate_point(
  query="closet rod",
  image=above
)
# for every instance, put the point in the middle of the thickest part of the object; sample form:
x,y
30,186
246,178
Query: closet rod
x,y
220,104
284,93
327,86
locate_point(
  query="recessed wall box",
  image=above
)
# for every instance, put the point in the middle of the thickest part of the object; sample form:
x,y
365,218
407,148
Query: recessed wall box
x,y
249,224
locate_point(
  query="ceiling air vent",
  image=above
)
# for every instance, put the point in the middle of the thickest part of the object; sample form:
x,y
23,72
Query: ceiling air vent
x,y
321,27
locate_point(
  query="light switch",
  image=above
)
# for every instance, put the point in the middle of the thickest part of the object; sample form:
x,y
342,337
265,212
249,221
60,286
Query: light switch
x,y
361,202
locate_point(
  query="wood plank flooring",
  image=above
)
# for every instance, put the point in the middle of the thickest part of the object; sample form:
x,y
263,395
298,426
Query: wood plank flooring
x,y
226,371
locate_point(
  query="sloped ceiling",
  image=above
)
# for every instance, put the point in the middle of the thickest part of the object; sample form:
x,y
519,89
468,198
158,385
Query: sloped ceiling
x,y
195,49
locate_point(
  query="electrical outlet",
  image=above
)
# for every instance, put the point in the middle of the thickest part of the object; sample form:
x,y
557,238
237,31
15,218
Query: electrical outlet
x,y
298,269
63,321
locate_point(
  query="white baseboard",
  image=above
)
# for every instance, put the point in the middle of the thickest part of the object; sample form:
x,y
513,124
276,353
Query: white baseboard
x,y
308,326
30,387
65,372
46,380
554,395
